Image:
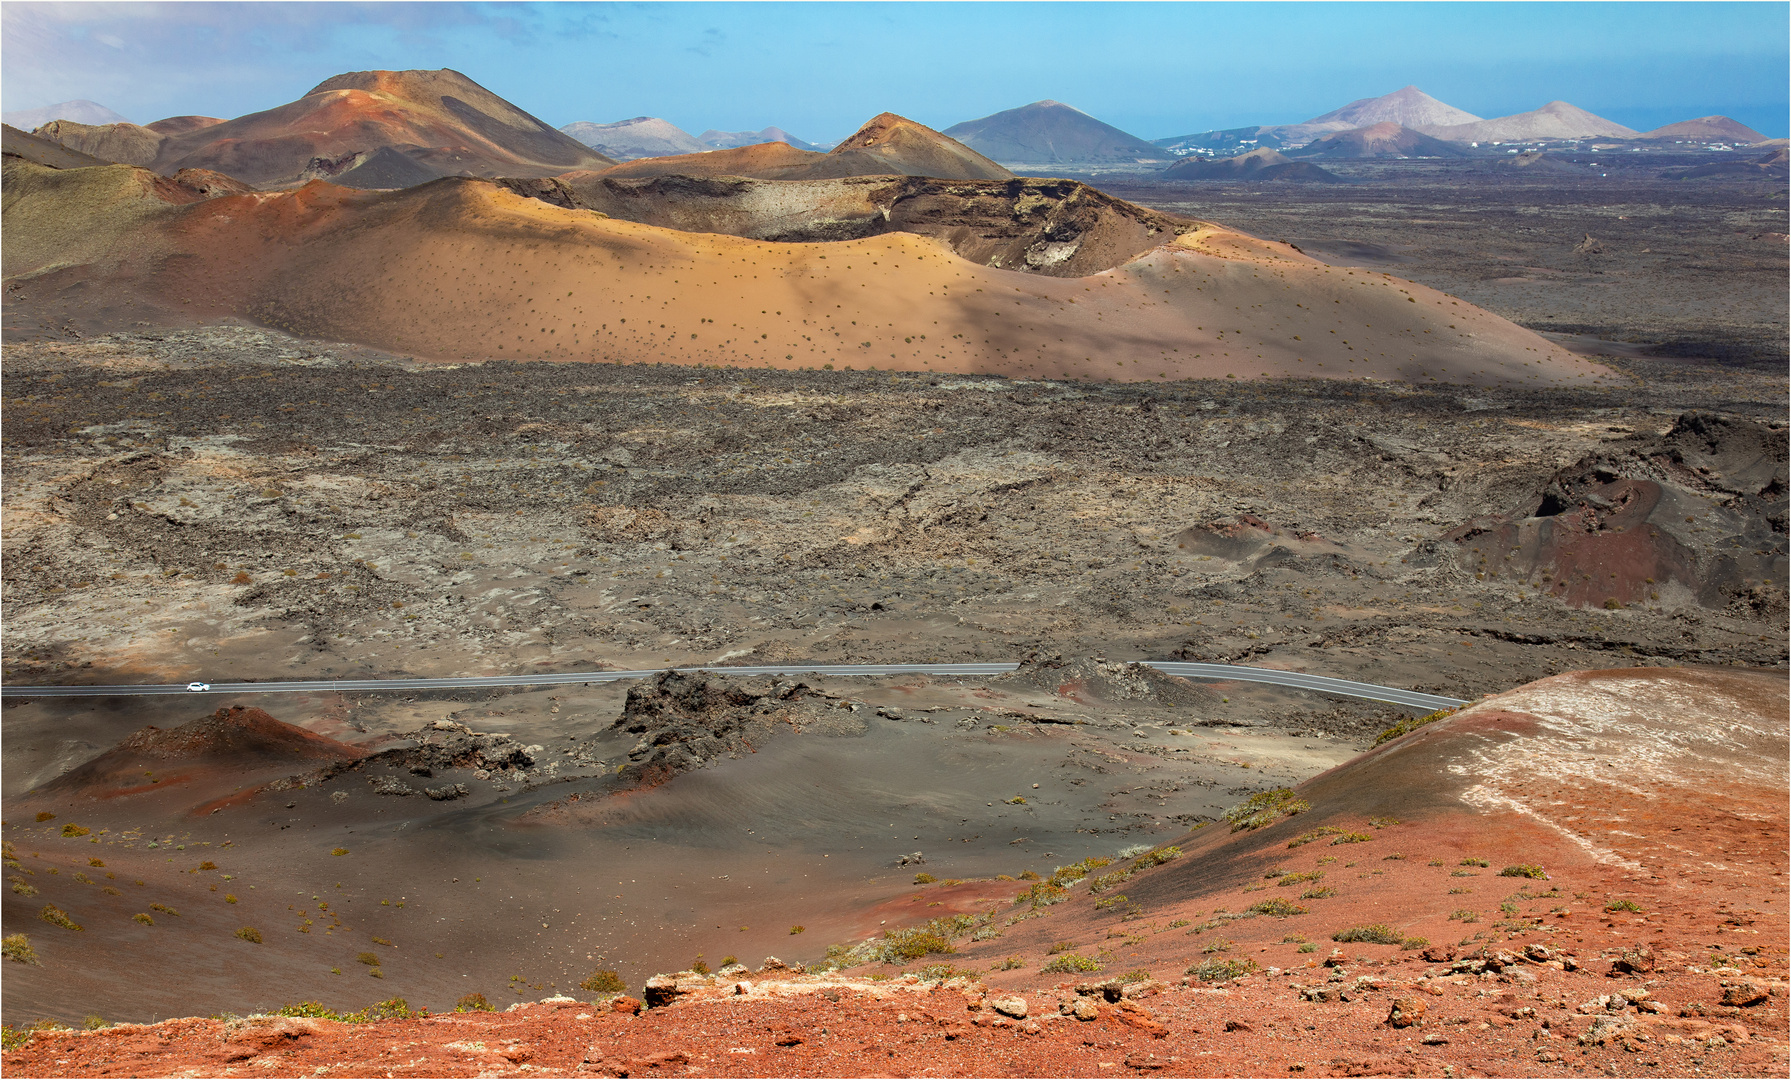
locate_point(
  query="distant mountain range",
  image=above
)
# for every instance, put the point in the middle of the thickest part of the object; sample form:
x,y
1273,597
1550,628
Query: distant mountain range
x,y
726,140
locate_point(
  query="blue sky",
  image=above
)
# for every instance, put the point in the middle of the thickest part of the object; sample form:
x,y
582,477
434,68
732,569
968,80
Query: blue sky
x,y
821,69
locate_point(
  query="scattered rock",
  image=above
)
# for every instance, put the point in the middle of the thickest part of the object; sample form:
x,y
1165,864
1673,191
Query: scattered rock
x,y
1436,1038
1743,994
1237,1025
626,1004
447,792
687,720
1008,1006
661,990
1636,960
1084,1009
1405,1012
1438,954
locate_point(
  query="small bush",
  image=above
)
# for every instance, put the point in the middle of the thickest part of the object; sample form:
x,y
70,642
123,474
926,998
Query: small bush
x,y
924,878
1136,975
382,941
1473,862
143,917
1397,856
1302,876
206,865
797,929
370,959
1217,945
1277,907
1029,875
473,1003
1060,946
376,973
603,982
1414,943
23,887
1524,870
1465,915
17,948
53,914
96,862
45,815
1382,822
1374,934
71,829
729,961
1317,834
1221,970
164,909
699,966
1322,892
1623,905
1012,963
1308,947
1112,901
229,898
1041,894
250,934
1352,838
1108,881
339,851
1413,724
1265,808
912,943
1069,963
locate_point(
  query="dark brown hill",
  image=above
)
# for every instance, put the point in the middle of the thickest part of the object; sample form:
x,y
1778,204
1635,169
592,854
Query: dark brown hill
x,y
1263,164
1384,140
1052,133
235,742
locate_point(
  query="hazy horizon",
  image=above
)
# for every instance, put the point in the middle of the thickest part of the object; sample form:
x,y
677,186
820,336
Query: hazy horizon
x,y
821,70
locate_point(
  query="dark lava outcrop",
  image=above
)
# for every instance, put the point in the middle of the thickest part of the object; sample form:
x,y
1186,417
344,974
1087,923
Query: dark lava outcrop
x,y
686,720
1062,228
1097,682
1701,509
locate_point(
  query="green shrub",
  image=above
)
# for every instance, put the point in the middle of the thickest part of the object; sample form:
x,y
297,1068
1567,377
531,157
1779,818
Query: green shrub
x,y
912,943
1382,822
164,909
1524,870
1277,907
1317,834
1308,947
1322,892
1108,881
603,982
1412,724
699,966
17,948
144,918
1473,862
23,887
797,929
250,934
1301,876
1111,901
1265,808
1221,970
71,829
473,1003
1465,915
1352,838
1060,946
1041,894
1136,975
924,878
1217,945
1029,875
370,959
1069,963
53,914
1623,905
1010,964
1414,943
1374,934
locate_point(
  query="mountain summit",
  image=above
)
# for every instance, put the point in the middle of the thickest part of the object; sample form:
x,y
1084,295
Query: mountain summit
x,y
1408,107
1556,120
1052,133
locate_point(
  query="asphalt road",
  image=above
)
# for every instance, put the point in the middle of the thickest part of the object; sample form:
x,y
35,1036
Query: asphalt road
x,y
1219,672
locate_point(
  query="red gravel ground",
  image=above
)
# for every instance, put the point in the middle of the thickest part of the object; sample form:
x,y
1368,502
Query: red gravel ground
x,y
1654,799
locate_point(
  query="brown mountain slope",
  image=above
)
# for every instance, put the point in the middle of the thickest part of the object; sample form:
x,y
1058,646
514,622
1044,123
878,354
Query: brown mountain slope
x,y
458,269
180,125
1050,132
441,119
125,143
889,145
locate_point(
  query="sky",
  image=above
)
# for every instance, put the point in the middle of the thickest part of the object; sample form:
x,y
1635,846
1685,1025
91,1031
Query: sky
x,y
819,70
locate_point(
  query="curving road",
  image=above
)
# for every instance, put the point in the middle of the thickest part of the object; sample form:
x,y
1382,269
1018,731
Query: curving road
x,y
1224,672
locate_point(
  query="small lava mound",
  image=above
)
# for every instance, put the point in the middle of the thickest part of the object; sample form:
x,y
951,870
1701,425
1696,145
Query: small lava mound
x,y
687,720
1097,682
236,742
1250,541
1698,515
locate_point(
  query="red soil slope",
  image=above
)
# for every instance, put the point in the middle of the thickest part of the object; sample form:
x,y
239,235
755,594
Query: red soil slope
x,y
461,268
1652,801
231,748
887,145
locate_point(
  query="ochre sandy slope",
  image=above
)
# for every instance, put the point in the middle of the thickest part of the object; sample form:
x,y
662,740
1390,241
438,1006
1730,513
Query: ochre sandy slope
x,y
463,269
